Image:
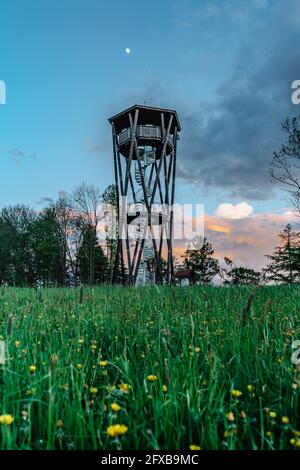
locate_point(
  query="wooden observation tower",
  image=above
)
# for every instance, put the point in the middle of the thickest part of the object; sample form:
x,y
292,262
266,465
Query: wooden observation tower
x,y
144,152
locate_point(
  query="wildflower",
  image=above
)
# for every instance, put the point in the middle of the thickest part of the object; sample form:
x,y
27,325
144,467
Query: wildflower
x,y
294,386
164,388
103,363
93,347
243,415
268,433
93,390
230,416
285,420
197,350
124,387
292,441
32,369
236,393
250,388
79,366
6,420
24,414
152,378
54,359
116,430
195,447
272,414
81,341
115,407
17,344
59,423
296,433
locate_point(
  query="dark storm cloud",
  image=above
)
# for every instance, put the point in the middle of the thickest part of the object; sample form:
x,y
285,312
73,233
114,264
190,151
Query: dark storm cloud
x,y
232,148
226,145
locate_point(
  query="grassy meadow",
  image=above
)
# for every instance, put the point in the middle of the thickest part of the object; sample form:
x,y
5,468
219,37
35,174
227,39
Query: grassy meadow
x,y
173,368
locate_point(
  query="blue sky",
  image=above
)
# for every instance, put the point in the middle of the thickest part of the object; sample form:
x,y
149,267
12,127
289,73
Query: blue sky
x,y
66,72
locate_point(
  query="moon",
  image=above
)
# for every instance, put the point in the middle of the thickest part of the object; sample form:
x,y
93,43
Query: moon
x,y
127,50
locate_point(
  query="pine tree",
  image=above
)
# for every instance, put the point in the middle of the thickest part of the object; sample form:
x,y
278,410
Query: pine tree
x,y
284,266
199,258
241,275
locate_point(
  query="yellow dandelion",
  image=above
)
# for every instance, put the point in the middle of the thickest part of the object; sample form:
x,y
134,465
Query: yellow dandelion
x,y
272,414
285,420
243,415
197,349
79,366
292,441
32,369
124,387
17,344
236,393
6,420
250,388
93,390
115,407
268,433
230,416
116,430
294,386
152,378
194,447
164,388
103,363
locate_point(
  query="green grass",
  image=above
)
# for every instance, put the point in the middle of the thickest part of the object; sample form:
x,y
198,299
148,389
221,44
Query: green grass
x,y
141,332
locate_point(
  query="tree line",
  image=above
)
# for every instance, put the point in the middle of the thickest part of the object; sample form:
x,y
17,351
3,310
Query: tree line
x,y
58,245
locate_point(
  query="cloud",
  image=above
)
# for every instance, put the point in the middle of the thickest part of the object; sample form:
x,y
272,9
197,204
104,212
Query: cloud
x,y
16,152
45,200
245,241
230,147
18,155
233,11
99,147
231,211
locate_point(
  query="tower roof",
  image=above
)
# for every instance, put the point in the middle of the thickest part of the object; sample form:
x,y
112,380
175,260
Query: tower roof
x,y
147,115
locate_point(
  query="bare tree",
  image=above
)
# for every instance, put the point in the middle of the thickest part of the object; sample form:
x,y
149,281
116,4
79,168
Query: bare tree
x,y
86,204
67,228
285,165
